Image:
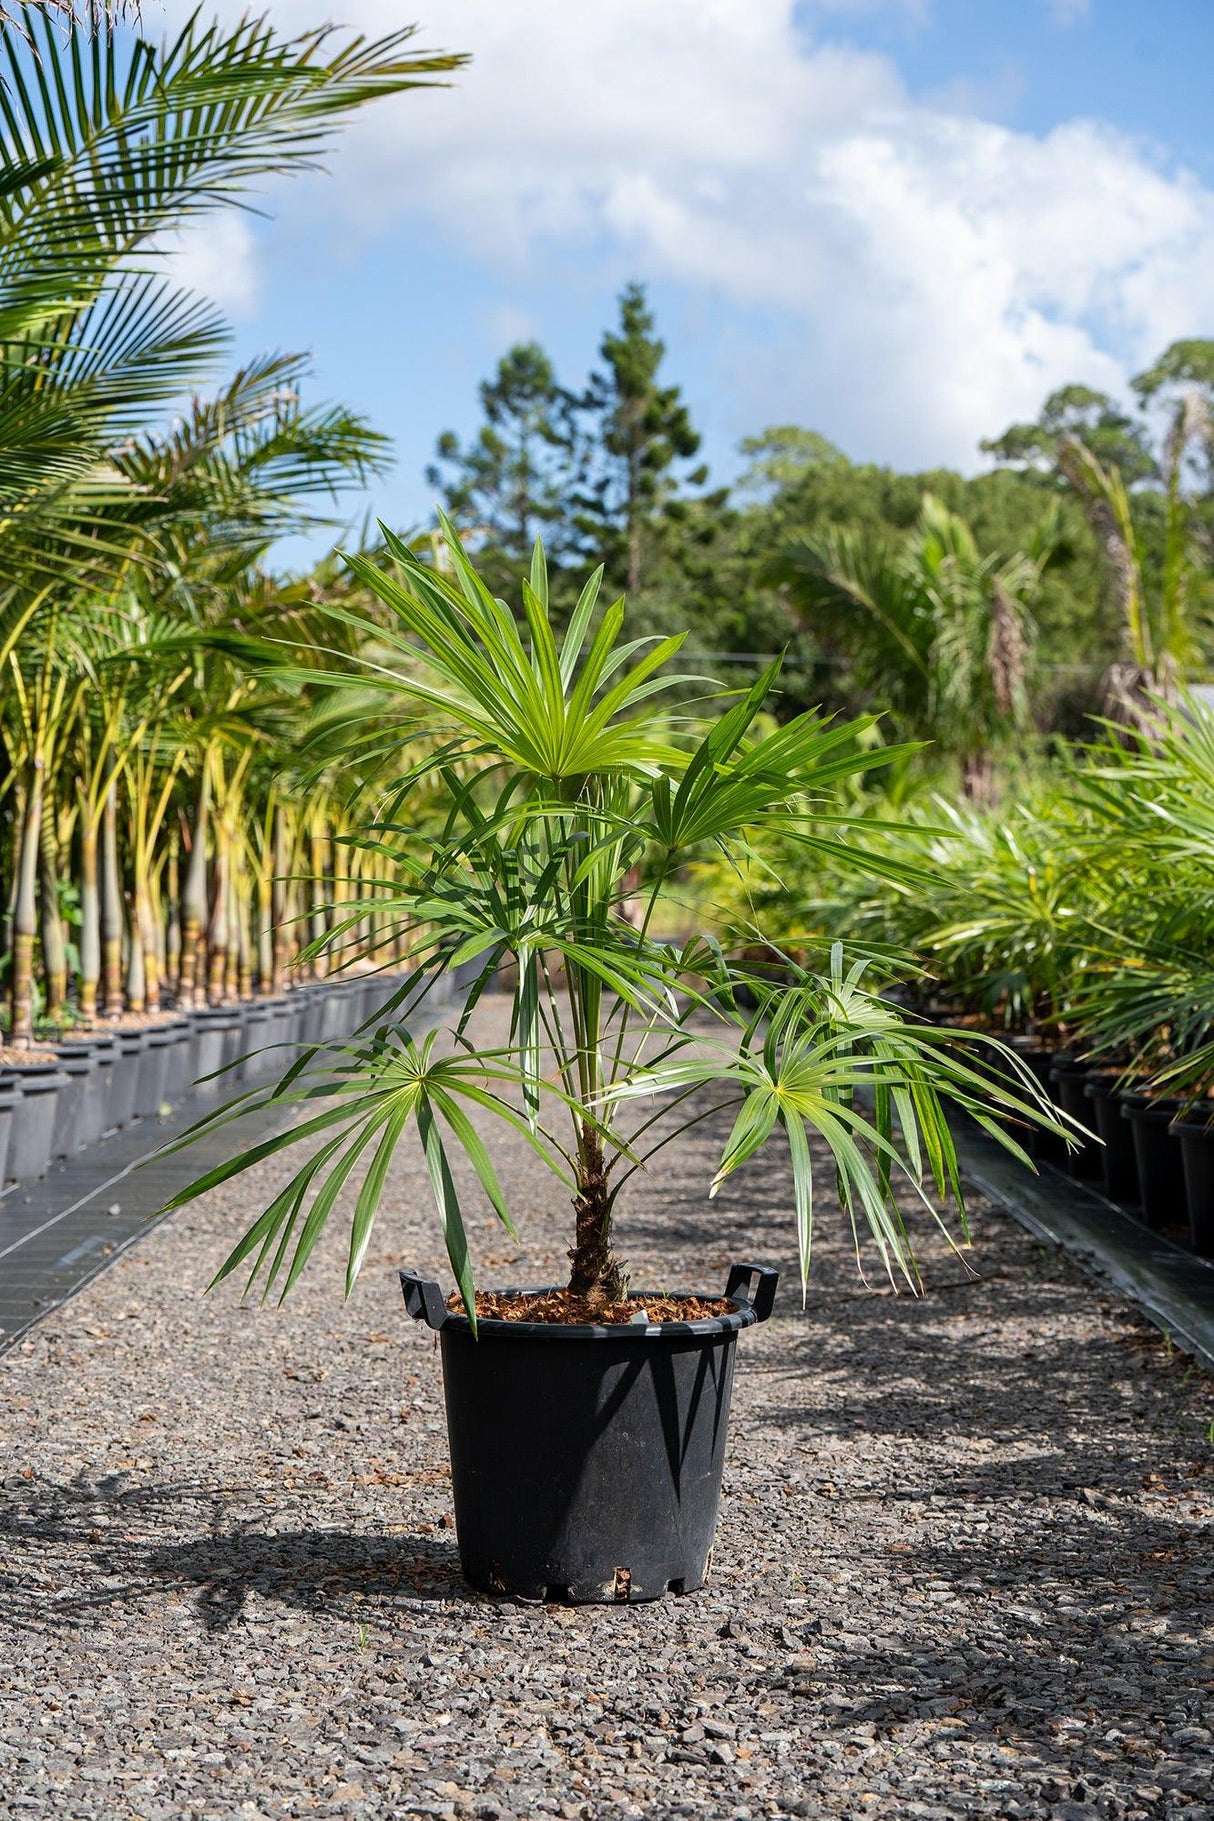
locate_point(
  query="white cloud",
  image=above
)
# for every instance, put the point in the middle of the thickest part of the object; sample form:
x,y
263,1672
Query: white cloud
x,y
216,256
935,274
1069,12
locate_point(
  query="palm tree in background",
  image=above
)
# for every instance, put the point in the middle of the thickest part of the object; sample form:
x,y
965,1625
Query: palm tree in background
x,y
934,630
1165,608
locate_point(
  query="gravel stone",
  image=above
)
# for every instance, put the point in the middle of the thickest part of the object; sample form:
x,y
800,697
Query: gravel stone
x,y
963,1566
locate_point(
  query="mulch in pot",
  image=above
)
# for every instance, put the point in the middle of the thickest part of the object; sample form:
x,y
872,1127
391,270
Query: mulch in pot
x,y
563,1309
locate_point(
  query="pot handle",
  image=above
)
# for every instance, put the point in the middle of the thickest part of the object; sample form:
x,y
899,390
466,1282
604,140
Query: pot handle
x,y
424,1300
765,1289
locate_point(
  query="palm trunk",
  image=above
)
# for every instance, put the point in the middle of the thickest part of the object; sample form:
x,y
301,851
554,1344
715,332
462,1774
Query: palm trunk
x,y
15,818
194,902
217,933
172,940
596,1272
231,969
318,920
25,867
144,946
135,978
90,918
280,891
111,909
54,956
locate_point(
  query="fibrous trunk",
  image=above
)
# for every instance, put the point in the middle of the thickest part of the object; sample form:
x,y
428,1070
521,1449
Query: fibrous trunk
x,y
596,1272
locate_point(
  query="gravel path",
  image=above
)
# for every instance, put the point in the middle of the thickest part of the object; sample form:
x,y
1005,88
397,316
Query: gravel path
x,y
963,1567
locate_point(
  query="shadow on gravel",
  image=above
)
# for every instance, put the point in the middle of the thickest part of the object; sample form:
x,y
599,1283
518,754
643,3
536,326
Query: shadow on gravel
x,y
1086,1634
955,1366
70,1551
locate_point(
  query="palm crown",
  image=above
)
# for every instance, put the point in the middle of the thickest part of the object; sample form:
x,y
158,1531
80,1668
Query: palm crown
x,y
552,780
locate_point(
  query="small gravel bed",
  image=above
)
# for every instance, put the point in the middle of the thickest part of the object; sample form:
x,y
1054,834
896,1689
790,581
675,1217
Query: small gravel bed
x,y
963,1566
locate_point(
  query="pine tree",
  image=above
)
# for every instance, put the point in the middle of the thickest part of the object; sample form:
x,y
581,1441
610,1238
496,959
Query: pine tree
x,y
510,483
637,431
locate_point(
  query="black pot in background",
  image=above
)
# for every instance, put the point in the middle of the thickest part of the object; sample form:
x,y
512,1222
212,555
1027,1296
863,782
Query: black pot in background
x,y
105,1050
81,1102
33,1125
10,1100
218,1032
586,1461
1045,1147
1069,1077
1157,1153
276,1038
235,1043
126,1077
151,1083
1196,1136
340,1006
254,1064
313,1027
1118,1160
179,1035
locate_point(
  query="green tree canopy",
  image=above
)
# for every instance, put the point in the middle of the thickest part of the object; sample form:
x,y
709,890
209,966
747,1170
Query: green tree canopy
x,y
1113,437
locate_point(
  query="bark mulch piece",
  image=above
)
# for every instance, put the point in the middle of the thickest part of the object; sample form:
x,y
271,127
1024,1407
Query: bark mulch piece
x,y
963,1566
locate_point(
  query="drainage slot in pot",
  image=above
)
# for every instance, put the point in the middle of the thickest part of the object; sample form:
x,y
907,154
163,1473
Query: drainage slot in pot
x,y
557,1596
679,1586
621,1584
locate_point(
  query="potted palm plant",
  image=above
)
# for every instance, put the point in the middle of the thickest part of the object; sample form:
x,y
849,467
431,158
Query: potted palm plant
x,y
587,1420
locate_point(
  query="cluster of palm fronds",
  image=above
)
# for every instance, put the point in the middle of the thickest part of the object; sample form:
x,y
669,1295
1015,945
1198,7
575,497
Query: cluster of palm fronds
x,y
571,778
144,786
1081,911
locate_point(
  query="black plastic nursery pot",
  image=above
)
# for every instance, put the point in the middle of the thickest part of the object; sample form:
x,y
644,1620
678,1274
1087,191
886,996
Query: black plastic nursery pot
x,y
1045,1147
152,1081
1197,1158
586,1461
10,1100
91,1110
254,1063
1069,1077
179,1035
125,1079
218,1032
1118,1161
33,1122
1157,1152
81,1103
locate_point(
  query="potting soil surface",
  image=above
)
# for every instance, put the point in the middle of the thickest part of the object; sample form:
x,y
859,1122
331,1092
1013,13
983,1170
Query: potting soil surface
x,y
963,1565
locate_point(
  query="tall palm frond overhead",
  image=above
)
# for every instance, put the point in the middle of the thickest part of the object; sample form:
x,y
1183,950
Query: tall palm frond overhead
x,y
108,143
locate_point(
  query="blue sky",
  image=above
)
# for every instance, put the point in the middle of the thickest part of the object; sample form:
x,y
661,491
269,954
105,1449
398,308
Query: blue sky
x,y
899,222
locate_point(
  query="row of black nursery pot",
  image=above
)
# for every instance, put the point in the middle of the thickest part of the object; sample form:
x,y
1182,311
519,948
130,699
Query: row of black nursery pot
x,y
101,1082
1152,1155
